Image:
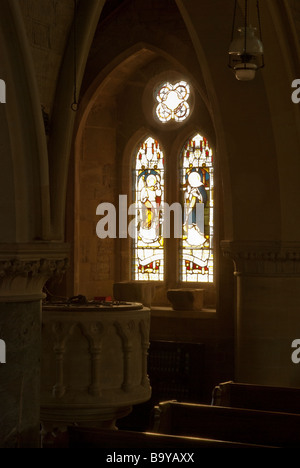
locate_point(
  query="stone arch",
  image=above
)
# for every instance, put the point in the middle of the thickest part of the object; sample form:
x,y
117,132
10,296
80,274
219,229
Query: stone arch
x,y
25,187
98,101
63,117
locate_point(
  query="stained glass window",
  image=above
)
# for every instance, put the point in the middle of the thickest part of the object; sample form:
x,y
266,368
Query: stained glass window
x,y
197,184
149,196
172,101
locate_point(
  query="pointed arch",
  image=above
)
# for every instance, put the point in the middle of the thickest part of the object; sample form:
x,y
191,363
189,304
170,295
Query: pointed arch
x,y
149,192
197,197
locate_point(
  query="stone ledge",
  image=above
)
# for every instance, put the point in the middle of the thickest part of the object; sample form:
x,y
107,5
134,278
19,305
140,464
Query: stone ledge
x,y
168,312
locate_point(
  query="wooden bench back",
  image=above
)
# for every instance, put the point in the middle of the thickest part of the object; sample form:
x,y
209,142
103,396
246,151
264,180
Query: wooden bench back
x,y
228,424
261,397
79,437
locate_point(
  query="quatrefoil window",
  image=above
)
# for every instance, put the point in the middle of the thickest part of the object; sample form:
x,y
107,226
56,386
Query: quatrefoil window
x,y
173,103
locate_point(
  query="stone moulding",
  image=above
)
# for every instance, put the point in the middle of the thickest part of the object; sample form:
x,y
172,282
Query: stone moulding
x,y
44,267
262,258
25,270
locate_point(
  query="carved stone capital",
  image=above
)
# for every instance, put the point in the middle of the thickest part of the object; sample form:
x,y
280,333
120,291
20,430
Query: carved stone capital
x,y
24,269
255,258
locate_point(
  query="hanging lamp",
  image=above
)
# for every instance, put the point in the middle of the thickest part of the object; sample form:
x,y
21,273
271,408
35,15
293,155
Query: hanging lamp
x,y
246,54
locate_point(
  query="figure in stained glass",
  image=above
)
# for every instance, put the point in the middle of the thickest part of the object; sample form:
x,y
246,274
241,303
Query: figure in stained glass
x,y
195,194
150,206
196,264
149,196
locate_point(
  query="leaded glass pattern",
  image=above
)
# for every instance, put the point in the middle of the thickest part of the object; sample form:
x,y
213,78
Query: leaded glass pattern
x,y
173,103
197,185
148,262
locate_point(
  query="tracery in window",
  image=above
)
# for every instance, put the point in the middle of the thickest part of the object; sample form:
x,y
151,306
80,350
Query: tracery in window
x,y
173,103
197,183
148,180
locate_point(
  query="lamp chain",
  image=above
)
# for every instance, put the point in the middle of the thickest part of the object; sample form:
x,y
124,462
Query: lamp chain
x,y
74,105
233,22
258,17
259,27
246,21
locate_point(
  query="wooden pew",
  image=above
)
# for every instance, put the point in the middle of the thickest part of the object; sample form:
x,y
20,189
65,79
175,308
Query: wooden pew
x,y
79,437
228,424
260,397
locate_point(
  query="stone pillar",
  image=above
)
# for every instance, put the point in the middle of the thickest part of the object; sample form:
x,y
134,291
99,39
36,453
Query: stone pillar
x,y
23,273
267,311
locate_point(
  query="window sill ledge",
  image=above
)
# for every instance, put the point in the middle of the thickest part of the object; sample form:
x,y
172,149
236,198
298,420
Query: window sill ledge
x,y
168,312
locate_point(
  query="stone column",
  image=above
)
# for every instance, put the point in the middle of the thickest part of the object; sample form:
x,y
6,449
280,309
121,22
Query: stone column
x,y
267,311
24,269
